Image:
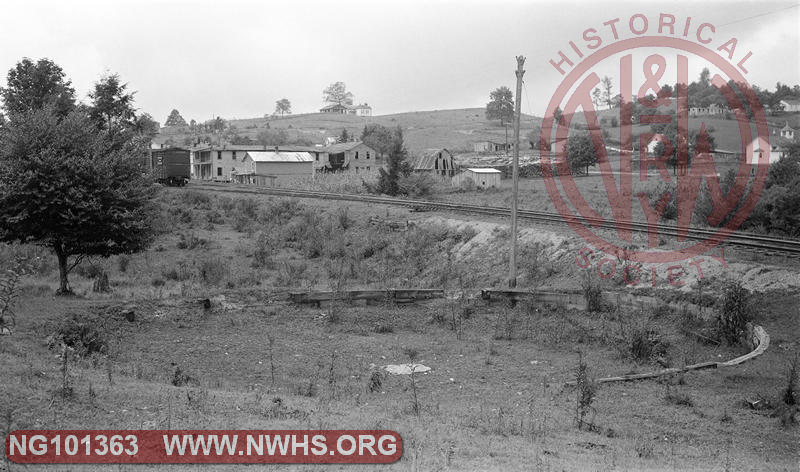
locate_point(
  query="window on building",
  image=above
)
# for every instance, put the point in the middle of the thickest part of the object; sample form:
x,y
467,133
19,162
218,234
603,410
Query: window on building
x,y
367,167
367,154
234,155
219,155
356,154
219,171
316,157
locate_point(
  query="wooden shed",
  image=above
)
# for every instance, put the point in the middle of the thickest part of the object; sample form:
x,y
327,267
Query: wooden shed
x,y
482,177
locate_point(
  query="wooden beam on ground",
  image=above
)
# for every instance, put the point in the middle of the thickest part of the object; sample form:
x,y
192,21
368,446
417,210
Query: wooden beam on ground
x,y
566,299
760,339
394,295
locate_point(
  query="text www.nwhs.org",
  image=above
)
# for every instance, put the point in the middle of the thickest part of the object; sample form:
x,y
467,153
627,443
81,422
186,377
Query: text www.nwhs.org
x,y
278,445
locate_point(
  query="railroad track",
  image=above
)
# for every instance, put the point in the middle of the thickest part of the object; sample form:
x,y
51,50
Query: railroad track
x,y
747,240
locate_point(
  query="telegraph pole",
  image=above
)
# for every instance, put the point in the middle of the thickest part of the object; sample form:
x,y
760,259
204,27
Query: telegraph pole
x,y
512,278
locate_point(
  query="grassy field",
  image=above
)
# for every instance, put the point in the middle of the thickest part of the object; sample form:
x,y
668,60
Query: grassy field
x,y
495,399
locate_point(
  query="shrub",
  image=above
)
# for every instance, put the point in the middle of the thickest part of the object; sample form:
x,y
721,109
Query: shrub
x,y
213,271
734,312
81,334
264,252
88,270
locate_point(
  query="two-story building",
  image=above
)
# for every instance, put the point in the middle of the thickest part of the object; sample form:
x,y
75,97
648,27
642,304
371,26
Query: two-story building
x,y
222,162
355,156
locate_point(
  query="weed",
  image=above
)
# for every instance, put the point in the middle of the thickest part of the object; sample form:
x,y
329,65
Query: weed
x,y
290,274
593,295
643,448
271,341
790,393
412,355
586,391
181,378
375,381
123,261
678,398
9,290
384,328
734,313
191,241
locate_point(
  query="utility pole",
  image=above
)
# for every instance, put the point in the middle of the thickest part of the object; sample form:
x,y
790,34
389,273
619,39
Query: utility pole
x,y
512,277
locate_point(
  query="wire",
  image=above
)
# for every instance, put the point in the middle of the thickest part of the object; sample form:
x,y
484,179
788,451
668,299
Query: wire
x,y
756,16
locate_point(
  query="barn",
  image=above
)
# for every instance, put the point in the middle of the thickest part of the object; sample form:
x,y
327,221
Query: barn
x,y
437,161
273,167
481,177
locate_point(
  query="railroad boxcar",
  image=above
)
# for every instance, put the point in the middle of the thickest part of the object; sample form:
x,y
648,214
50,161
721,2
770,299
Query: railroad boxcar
x,y
171,166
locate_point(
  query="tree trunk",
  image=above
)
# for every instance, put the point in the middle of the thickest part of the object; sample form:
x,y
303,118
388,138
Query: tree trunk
x,y
63,288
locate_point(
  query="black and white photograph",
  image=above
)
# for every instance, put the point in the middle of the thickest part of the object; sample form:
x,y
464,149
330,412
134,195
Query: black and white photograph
x,y
443,235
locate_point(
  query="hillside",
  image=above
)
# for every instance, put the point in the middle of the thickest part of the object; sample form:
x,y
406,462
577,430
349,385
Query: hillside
x,y
454,129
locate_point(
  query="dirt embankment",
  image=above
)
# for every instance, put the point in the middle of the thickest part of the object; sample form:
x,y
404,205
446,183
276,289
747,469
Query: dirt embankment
x,y
556,258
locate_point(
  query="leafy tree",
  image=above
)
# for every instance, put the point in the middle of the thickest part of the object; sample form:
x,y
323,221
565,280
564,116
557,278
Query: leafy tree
x,y
787,168
608,91
32,86
379,138
283,107
175,119
111,104
345,136
697,142
66,186
145,125
217,125
558,116
396,166
501,105
337,93
580,152
597,97
270,137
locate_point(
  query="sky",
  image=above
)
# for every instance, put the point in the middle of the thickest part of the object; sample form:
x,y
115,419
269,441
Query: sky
x,y
235,59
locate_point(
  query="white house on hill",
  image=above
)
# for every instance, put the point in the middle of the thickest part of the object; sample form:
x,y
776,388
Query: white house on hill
x,y
790,104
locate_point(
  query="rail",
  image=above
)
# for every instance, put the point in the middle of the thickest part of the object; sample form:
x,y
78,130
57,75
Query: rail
x,y
738,238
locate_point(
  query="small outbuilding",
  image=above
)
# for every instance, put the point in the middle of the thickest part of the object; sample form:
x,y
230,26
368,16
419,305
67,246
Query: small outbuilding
x,y
491,146
481,177
272,167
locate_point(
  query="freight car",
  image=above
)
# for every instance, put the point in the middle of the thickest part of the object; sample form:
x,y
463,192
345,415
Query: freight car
x,y
171,166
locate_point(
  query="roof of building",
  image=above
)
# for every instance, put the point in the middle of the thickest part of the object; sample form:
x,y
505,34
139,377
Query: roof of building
x,y
428,158
337,105
787,127
791,101
272,156
342,147
484,170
